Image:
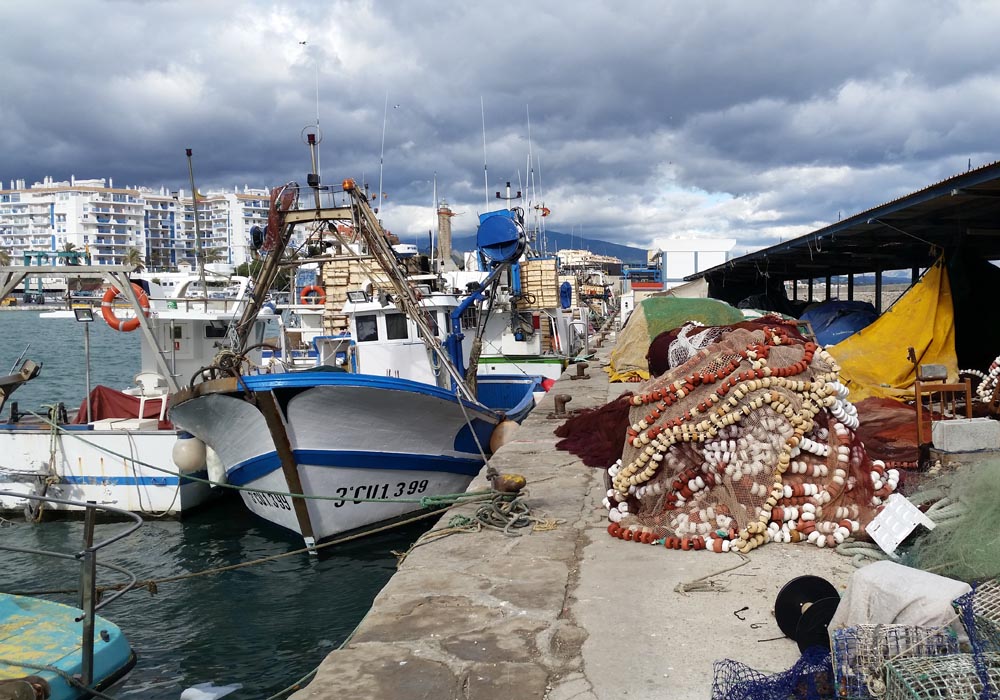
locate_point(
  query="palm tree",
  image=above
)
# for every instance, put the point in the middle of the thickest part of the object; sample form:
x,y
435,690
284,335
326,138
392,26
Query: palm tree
x,y
214,255
4,257
68,247
133,258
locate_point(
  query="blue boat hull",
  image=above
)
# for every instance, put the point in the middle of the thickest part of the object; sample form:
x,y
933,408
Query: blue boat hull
x,y
41,633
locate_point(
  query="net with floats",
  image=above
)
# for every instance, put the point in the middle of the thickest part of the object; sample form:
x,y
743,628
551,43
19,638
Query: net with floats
x,y
751,440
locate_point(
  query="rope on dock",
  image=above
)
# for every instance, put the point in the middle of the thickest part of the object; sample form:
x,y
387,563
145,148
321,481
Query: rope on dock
x,y
503,514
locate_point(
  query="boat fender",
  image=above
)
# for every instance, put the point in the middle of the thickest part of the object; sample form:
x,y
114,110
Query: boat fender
x,y
108,312
216,470
188,453
502,434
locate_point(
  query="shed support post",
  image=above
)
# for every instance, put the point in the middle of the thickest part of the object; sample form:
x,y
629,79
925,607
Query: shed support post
x,y
878,292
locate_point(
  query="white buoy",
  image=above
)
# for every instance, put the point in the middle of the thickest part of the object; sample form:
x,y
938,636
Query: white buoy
x,y
188,453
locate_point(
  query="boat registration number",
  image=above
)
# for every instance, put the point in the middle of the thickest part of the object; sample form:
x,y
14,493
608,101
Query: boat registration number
x,y
270,500
379,491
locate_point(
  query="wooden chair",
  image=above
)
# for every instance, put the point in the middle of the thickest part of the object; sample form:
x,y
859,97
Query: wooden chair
x,y
937,400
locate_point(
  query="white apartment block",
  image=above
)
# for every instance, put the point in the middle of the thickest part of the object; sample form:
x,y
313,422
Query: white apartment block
x,y
105,221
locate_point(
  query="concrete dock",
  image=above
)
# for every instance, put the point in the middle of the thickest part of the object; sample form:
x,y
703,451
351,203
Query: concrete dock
x,y
565,612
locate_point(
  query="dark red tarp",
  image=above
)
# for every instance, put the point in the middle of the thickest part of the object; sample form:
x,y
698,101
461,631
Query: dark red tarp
x,y
106,402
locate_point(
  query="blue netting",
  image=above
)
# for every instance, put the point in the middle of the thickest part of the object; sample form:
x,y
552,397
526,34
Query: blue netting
x,y
811,678
978,608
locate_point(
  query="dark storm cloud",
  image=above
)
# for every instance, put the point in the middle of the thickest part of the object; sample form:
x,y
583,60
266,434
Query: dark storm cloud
x,y
755,121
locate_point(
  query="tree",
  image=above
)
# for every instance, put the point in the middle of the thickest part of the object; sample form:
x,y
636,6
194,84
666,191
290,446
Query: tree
x,y
4,257
133,258
214,255
68,247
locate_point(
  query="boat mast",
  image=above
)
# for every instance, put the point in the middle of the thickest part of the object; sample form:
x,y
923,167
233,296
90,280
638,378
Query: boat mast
x,y
199,257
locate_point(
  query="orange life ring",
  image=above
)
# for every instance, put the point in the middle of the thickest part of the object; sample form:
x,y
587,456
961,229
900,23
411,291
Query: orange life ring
x,y
319,292
107,310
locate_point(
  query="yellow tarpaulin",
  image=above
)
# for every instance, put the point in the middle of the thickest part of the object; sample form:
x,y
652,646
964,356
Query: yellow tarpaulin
x,y
874,361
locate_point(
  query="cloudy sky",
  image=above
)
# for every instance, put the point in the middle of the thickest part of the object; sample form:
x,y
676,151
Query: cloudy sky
x,y
757,121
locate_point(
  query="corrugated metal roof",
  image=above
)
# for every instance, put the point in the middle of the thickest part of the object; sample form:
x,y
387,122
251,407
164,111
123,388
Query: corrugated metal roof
x,y
962,211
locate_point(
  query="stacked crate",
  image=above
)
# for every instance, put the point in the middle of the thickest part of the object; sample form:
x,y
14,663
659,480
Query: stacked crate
x,y
341,276
540,279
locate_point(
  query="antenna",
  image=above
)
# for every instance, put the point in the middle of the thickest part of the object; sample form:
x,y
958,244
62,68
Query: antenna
x,y
482,107
199,255
435,205
316,78
381,158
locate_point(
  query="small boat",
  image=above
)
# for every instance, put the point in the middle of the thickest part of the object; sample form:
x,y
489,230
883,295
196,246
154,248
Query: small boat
x,y
119,448
53,651
386,422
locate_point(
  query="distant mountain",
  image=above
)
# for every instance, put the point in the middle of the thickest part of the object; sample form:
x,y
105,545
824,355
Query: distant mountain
x,y
554,240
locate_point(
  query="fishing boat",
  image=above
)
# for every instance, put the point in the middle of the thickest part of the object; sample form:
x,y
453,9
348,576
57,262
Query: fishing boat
x,y
53,651
387,421
119,448
533,322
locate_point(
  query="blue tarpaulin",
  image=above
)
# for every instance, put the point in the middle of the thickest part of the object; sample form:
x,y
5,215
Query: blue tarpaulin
x,y
834,320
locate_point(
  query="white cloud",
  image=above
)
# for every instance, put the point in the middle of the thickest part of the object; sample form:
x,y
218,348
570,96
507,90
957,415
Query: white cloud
x,y
753,121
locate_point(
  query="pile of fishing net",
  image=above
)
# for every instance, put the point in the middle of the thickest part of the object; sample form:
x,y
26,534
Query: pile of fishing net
x,y
653,316
751,440
963,544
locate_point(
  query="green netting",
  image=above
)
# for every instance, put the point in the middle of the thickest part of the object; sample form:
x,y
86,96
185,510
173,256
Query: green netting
x,y
654,316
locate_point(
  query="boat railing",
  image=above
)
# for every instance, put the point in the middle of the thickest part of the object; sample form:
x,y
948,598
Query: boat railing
x,y
87,556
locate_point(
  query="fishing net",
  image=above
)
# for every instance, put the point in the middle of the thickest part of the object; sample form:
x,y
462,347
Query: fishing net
x,y
980,613
811,678
749,441
963,545
595,434
653,316
675,347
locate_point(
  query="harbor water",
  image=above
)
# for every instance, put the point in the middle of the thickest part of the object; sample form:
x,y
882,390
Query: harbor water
x,y
263,626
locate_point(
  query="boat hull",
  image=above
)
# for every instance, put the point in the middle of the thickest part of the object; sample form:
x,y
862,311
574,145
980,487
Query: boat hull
x,y
98,466
366,450
47,634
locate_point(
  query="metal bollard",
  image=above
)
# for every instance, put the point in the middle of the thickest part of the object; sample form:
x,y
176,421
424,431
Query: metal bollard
x,y
561,401
580,369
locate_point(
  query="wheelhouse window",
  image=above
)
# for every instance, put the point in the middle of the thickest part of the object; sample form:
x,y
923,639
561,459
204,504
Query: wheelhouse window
x,y
396,327
215,331
367,327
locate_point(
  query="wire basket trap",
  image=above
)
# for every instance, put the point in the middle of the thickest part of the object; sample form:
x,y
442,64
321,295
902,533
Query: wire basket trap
x,y
954,677
980,613
861,654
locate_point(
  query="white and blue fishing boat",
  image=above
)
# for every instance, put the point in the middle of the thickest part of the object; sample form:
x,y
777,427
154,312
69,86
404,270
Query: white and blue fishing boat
x,y
53,651
118,448
387,421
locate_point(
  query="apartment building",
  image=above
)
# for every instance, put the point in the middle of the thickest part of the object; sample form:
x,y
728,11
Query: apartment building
x,y
105,221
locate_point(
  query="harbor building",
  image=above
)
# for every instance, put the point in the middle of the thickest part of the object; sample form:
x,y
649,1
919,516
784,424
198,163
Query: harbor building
x,y
105,221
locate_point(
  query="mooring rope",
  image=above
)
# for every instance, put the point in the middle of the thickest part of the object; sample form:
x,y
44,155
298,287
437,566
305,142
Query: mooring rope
x,y
423,501
71,680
